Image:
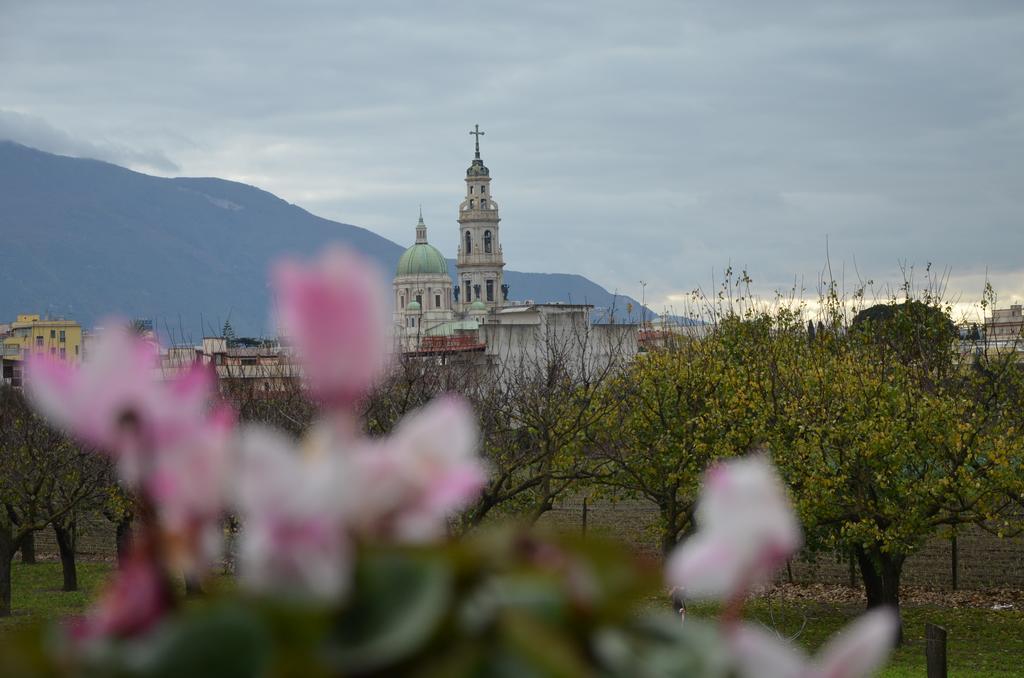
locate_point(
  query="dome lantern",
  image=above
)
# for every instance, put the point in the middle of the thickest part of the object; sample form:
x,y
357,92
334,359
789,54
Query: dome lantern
x,y
422,258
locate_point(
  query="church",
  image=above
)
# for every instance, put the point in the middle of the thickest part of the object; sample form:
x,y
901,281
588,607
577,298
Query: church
x,y
436,316
430,311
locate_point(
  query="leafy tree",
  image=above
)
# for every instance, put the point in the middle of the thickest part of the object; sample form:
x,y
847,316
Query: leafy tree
x,y
44,479
119,509
919,331
673,413
886,442
228,332
885,432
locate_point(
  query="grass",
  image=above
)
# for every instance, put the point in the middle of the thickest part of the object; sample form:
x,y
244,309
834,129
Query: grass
x,y
36,594
982,642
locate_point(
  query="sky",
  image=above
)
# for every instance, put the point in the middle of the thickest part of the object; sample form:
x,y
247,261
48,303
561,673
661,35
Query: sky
x,y
646,145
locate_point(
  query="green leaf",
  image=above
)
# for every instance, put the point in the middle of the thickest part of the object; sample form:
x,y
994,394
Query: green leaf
x,y
224,641
398,603
545,648
658,646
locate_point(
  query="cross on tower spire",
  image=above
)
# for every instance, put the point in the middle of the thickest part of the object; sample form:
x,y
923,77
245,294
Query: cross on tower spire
x,y
476,131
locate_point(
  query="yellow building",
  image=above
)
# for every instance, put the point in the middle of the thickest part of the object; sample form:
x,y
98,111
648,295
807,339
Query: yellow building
x,y
32,335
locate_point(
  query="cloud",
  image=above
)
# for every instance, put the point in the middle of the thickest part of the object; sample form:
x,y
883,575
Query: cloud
x,y
34,131
657,140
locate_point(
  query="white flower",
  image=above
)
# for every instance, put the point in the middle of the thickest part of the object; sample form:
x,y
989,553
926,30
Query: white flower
x,y
858,650
746,530
293,539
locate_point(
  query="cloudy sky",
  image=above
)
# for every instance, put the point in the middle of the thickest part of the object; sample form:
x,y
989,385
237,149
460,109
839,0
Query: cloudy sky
x,y
628,141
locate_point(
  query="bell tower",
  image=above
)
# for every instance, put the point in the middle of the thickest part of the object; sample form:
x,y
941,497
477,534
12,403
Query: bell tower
x,y
479,263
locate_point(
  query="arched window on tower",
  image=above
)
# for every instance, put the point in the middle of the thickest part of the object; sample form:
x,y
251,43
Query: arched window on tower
x,y
469,244
483,189
472,203
483,204
487,242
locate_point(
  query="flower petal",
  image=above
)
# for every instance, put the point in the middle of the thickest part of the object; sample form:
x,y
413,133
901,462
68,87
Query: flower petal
x,y
333,311
760,654
861,648
705,567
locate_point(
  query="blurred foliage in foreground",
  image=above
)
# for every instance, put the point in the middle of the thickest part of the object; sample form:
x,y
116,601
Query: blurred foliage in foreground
x,y
497,604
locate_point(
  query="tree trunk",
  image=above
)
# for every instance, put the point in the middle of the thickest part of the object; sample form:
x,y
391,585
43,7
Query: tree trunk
x,y
124,540
677,524
668,540
193,585
65,535
28,549
881,573
540,508
670,530
8,547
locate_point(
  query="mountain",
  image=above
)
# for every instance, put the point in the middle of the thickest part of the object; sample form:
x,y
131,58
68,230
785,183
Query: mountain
x,y
86,239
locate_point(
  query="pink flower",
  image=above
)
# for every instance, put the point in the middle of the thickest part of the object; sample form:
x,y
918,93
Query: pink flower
x,y
164,439
856,651
746,530
408,485
135,601
293,536
187,483
299,506
115,402
333,311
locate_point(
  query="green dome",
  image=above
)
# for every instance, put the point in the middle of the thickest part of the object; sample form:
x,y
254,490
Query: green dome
x,y
413,306
422,259
478,306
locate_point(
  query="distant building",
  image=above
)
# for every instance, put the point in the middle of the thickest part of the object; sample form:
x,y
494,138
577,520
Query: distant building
x,y
1005,324
422,291
30,334
472,319
257,366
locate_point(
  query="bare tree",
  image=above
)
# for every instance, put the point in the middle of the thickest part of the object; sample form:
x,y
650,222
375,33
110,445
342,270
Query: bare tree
x,y
534,390
540,397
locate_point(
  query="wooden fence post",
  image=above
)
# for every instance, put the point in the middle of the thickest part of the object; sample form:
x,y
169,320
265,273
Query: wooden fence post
x,y
935,650
955,562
